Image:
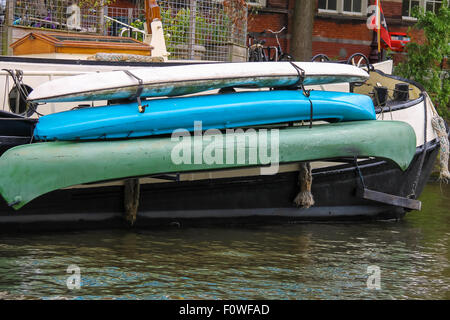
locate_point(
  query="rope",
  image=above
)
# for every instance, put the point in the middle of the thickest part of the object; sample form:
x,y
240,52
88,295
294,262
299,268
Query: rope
x,y
17,77
304,198
413,194
439,128
5,92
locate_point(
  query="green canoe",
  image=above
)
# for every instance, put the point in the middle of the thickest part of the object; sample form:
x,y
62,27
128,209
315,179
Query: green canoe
x,y
29,171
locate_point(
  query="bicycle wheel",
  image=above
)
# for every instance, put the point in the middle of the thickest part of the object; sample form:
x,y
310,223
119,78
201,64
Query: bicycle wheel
x,y
252,56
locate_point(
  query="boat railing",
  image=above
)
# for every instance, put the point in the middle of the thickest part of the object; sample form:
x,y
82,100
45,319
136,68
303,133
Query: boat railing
x,y
126,28
35,77
47,73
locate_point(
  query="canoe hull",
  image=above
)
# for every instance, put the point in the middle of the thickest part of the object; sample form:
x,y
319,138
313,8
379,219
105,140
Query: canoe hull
x,y
180,80
223,111
32,170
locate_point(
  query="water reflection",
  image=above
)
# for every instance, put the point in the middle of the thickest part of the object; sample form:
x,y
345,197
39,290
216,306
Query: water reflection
x,y
292,261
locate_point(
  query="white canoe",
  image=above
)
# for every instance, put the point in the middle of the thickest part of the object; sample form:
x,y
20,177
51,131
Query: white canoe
x,y
187,79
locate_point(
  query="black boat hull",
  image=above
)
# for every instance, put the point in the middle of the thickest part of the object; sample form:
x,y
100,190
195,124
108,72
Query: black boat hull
x,y
245,198
14,130
242,200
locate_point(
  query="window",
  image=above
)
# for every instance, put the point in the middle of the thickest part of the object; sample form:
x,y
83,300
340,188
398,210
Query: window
x,y
257,3
433,5
350,7
329,5
429,5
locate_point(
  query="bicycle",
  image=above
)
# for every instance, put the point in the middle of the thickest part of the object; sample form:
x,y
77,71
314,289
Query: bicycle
x,y
279,54
256,49
258,52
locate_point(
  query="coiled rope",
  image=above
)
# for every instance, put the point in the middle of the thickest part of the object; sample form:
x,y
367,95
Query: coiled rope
x,y
438,125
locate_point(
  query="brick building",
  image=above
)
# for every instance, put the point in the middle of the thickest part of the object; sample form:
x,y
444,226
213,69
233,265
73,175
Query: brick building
x,y
339,25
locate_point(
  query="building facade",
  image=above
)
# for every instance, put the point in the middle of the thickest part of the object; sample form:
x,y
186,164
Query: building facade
x,y
340,27
339,30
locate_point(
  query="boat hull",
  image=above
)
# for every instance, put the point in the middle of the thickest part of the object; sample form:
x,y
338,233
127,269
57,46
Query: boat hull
x,y
246,200
163,116
14,130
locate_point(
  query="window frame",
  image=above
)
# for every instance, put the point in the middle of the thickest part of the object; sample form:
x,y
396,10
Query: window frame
x,y
422,4
257,3
340,9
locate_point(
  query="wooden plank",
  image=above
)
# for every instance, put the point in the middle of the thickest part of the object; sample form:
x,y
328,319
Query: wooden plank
x,y
131,200
391,199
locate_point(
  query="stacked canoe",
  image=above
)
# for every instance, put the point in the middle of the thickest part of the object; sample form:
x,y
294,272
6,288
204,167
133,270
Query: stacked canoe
x,y
132,138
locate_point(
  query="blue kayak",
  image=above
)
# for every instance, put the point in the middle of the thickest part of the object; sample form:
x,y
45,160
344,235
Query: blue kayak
x,y
231,110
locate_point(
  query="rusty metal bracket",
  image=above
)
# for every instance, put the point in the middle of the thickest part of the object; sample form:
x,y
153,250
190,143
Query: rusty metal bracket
x,y
301,77
386,198
138,93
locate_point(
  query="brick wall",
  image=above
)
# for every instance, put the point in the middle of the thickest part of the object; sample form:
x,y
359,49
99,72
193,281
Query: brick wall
x,y
341,29
277,3
122,4
392,10
263,21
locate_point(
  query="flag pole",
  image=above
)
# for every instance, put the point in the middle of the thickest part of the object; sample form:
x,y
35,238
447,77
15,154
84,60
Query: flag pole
x,y
379,29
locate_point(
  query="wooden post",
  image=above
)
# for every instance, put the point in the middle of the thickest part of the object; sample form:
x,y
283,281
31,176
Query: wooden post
x,y
152,12
101,19
7,28
302,28
131,194
373,58
192,16
129,21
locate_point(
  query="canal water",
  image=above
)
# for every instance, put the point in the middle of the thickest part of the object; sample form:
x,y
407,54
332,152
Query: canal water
x,y
291,261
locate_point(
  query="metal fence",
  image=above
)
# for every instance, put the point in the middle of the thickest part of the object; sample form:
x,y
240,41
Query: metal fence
x,y
56,15
205,29
193,29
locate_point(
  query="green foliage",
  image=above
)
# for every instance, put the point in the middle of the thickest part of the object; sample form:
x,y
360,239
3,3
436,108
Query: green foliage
x,y
427,63
94,3
138,24
176,26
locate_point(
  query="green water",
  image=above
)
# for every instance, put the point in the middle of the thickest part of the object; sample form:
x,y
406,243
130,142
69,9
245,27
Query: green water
x,y
291,261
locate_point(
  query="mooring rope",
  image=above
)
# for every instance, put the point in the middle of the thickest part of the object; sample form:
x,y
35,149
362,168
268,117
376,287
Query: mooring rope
x,y
438,125
17,77
304,198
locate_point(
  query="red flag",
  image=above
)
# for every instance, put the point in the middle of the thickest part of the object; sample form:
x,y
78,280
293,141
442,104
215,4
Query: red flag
x,y
382,26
